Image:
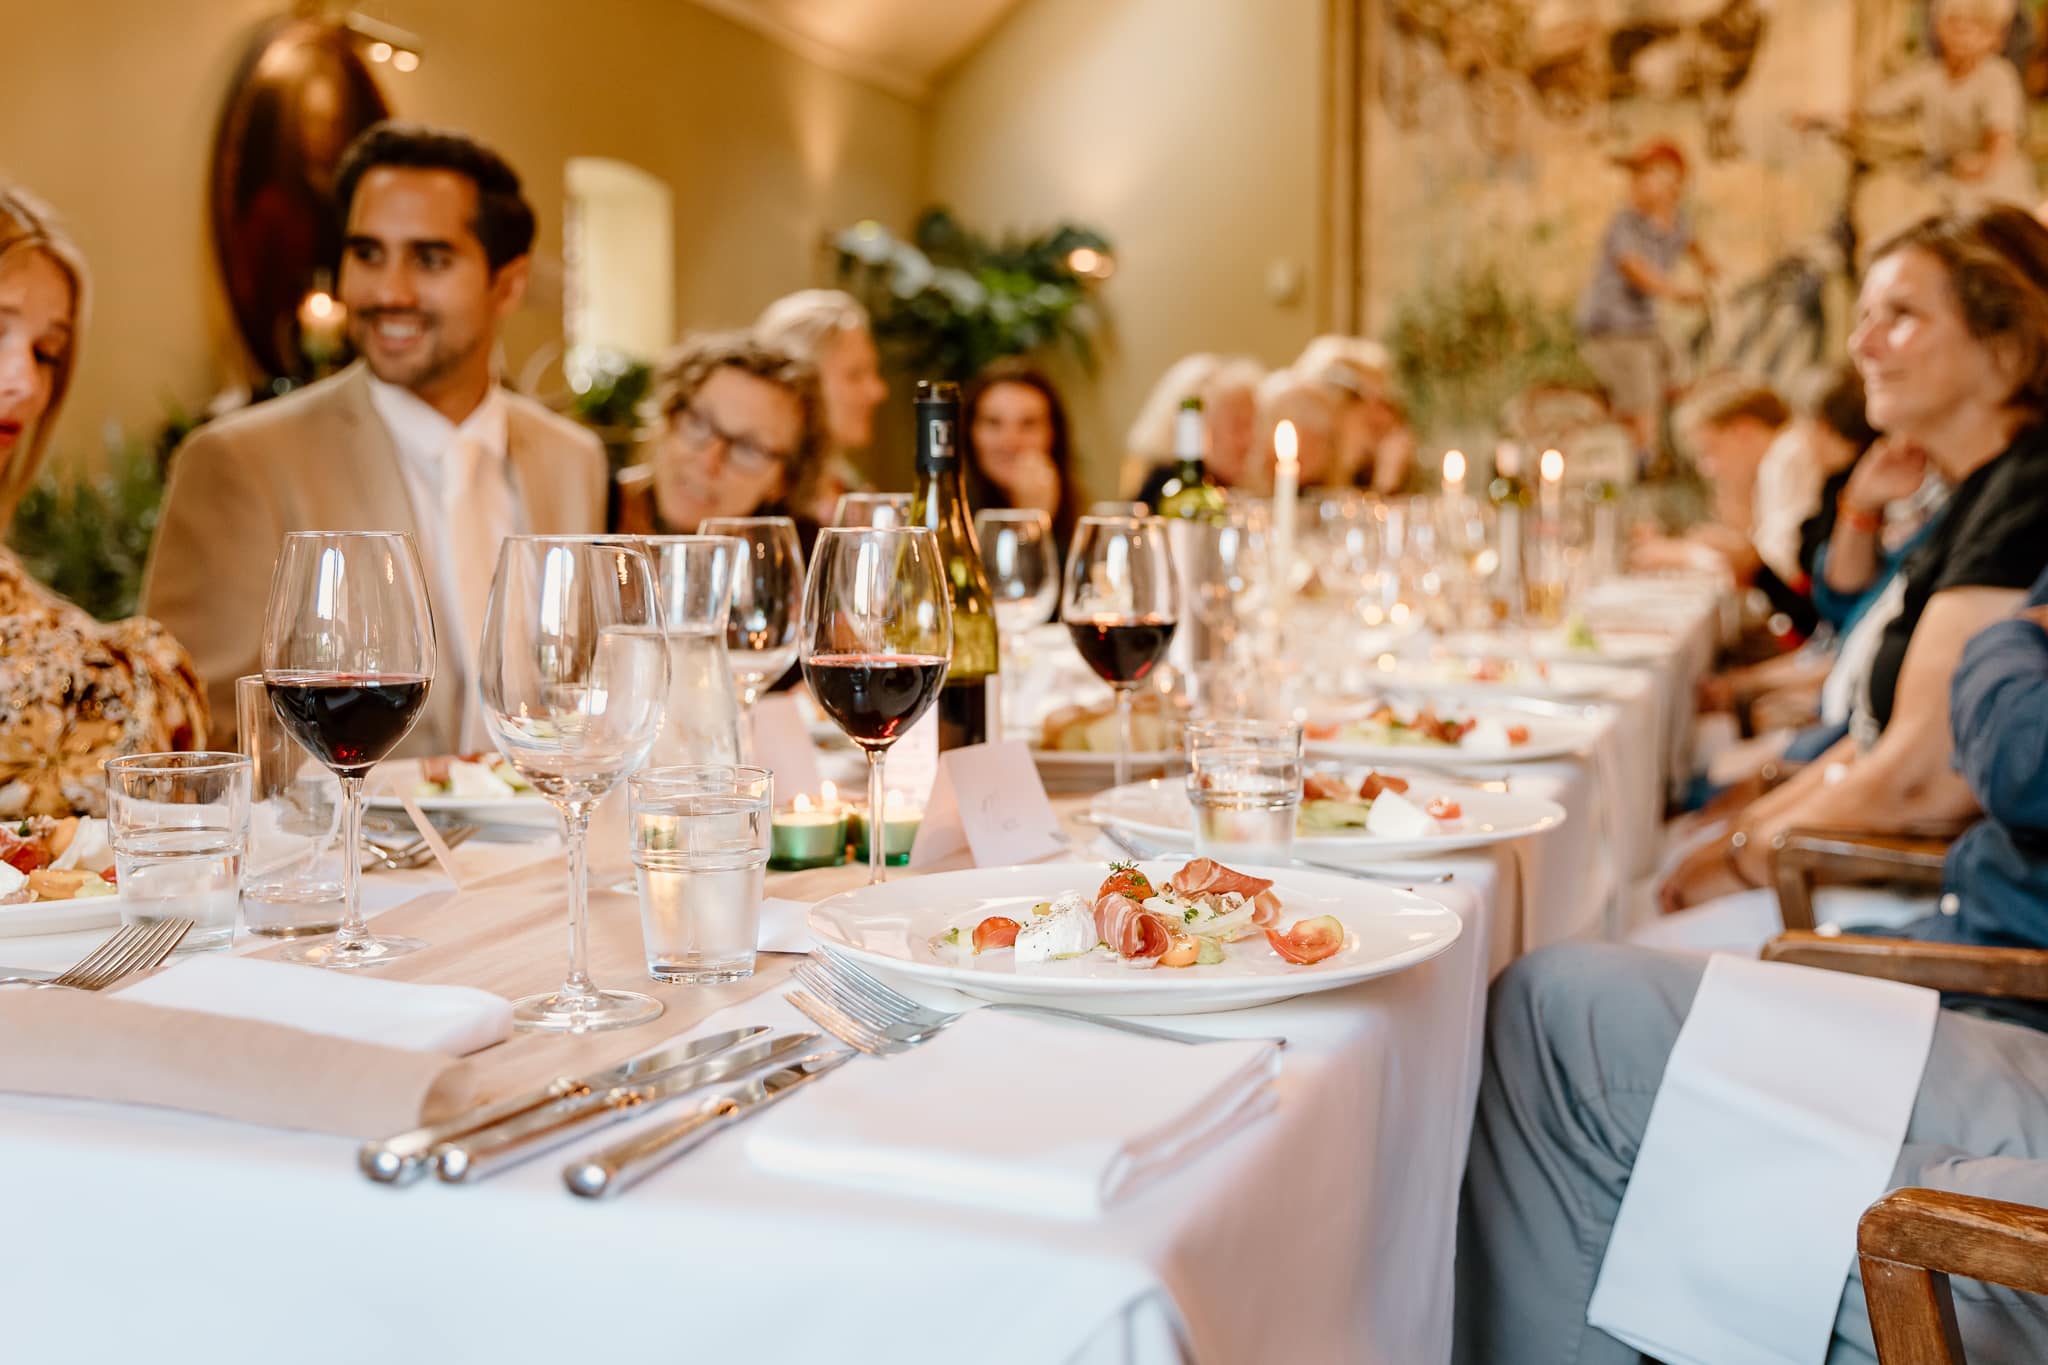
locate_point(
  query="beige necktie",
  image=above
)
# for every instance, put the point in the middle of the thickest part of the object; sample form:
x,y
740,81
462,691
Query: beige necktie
x,y
477,509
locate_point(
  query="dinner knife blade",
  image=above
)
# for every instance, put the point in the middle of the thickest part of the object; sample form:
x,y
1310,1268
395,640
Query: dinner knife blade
x,y
512,1142
404,1158
625,1164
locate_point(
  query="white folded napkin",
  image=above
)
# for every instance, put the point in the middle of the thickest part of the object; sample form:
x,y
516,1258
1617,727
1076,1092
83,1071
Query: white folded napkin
x,y
450,1019
1778,1122
785,926
1028,1115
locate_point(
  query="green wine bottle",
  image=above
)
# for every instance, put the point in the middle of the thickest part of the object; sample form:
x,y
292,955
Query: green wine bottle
x,y
967,706
1190,494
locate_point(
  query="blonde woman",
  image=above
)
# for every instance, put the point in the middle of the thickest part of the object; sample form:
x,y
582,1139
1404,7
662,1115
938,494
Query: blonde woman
x,y
1228,387
77,691
829,331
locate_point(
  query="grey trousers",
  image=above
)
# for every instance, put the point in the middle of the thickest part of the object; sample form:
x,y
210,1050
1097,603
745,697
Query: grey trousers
x,y
1577,1038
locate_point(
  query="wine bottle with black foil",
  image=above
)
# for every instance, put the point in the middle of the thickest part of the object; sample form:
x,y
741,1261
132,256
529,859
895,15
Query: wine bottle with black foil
x,y
1190,494
968,702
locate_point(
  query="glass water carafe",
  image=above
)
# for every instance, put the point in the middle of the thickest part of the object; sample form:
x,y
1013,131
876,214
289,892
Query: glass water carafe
x,y
701,722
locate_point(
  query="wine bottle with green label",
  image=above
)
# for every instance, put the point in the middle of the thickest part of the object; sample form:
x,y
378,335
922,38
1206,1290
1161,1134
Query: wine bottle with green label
x,y
1190,494
967,707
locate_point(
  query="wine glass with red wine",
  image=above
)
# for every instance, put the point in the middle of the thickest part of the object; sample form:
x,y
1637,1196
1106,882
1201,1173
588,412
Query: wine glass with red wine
x,y
348,658
573,671
1121,602
878,630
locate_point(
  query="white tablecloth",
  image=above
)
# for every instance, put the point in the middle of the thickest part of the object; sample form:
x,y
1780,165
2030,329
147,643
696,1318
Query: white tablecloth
x,y
1324,1233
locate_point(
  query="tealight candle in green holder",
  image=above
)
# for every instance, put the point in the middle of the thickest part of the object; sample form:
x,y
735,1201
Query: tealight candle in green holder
x,y
808,833
900,820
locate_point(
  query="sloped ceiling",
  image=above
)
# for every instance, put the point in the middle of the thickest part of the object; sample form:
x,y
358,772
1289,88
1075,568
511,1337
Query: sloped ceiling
x,y
903,46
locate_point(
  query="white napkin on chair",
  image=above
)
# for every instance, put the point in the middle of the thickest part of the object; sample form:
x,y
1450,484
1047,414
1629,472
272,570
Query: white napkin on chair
x,y
1777,1123
1028,1115
450,1019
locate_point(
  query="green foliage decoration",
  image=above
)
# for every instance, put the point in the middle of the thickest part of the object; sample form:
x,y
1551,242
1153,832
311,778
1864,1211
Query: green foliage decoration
x,y
949,301
608,402
86,533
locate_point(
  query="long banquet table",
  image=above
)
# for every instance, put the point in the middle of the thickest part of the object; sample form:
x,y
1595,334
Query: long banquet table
x,y
1323,1232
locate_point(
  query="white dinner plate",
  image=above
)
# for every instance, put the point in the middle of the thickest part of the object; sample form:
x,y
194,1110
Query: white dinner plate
x,y
890,928
1159,811
1612,648
1559,680
403,775
1089,763
59,917
1552,734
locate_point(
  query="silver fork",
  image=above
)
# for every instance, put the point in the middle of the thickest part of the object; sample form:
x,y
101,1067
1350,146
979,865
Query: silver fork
x,y
132,948
897,1019
852,1032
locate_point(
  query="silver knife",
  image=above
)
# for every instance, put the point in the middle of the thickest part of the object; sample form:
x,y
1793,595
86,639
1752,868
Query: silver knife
x,y
508,1144
625,1164
404,1158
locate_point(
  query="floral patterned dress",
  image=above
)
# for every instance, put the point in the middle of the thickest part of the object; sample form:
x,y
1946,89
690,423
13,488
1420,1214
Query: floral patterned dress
x,y
75,691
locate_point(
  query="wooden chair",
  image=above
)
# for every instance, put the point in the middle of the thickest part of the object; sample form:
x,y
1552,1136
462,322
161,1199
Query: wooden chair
x,y
1802,859
1912,1240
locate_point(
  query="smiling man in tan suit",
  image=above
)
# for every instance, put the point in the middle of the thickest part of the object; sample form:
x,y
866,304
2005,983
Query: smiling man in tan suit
x,y
415,436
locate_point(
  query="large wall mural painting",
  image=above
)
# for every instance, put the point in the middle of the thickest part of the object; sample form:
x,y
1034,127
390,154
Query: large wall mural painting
x,y
1516,154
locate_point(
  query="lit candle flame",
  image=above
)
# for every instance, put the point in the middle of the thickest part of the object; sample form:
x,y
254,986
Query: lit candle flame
x,y
828,794
1552,466
802,802
1286,445
1454,466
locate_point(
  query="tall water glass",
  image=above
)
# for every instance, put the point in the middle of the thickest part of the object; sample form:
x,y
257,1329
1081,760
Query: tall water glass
x,y
872,509
878,632
1244,785
701,722
348,660
179,824
291,878
573,671
1023,566
700,851
767,600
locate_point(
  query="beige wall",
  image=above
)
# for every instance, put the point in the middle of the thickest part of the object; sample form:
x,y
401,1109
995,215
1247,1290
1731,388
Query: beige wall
x,y
111,109
1188,132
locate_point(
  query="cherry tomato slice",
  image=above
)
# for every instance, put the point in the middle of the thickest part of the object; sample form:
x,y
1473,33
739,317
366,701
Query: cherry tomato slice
x,y
1125,880
108,877
996,931
1309,940
25,857
1518,734
1443,808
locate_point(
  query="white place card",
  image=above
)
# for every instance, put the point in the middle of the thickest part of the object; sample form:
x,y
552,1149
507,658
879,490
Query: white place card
x,y
988,799
782,744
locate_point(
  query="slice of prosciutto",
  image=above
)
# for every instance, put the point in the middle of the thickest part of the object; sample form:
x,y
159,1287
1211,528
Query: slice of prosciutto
x,y
1132,932
1206,876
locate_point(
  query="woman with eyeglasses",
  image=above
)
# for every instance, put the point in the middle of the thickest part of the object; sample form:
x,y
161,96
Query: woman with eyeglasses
x,y
737,427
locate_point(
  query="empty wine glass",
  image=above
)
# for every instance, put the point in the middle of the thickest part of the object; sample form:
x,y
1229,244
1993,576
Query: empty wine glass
x,y
767,602
872,509
348,659
1121,604
573,670
878,631
1023,566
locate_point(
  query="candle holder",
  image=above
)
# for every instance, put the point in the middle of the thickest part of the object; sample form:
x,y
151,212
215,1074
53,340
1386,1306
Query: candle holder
x,y
899,832
805,835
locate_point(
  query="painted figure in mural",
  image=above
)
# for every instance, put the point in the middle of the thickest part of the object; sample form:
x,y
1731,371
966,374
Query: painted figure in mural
x,y
1968,105
1640,253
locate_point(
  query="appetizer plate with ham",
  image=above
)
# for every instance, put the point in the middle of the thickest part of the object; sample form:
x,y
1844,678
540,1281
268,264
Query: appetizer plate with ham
x,y
1165,936
1446,734
1353,815
480,787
